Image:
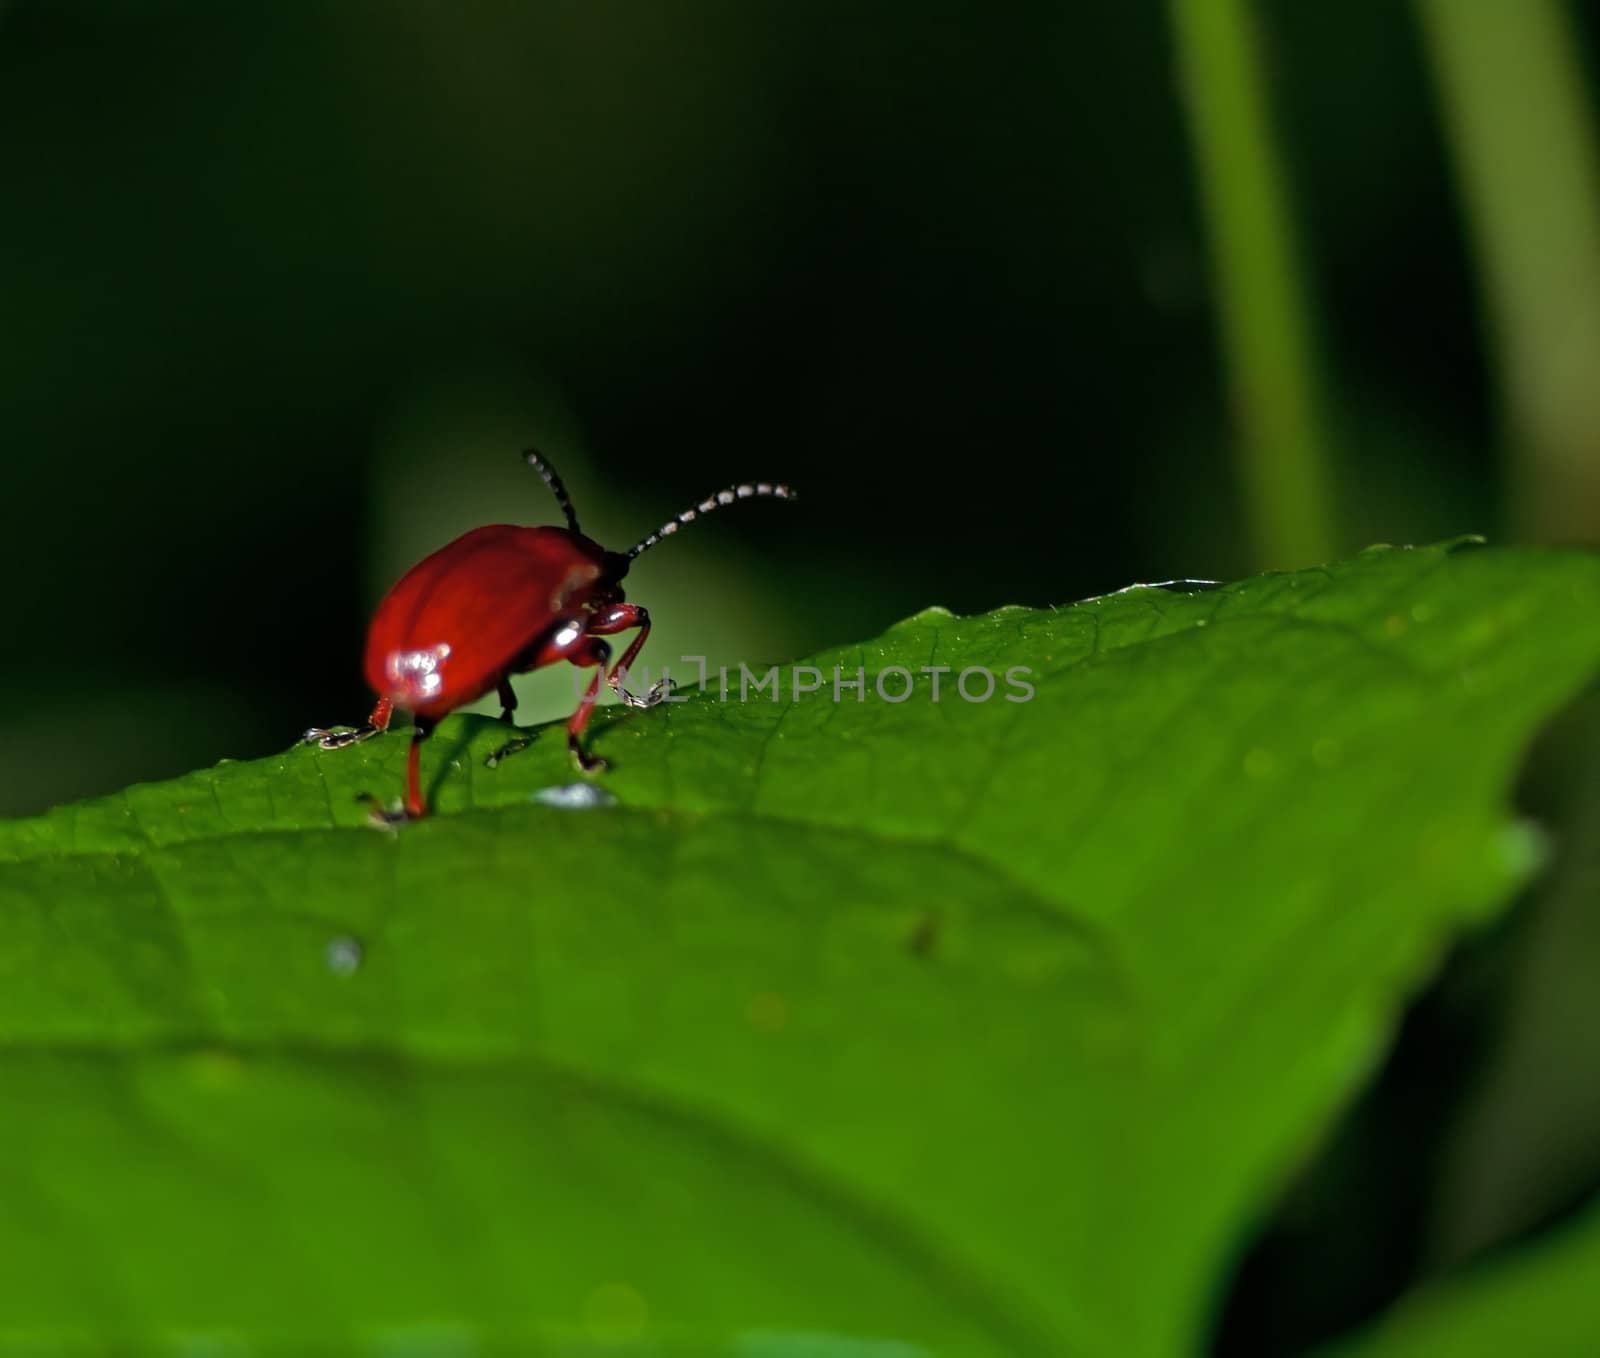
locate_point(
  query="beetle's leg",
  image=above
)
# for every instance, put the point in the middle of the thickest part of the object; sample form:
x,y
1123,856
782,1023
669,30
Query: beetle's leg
x,y
508,706
566,640
594,652
375,725
618,618
508,702
416,808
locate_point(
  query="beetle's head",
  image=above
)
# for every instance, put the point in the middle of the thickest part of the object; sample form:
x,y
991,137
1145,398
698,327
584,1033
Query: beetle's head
x,y
613,566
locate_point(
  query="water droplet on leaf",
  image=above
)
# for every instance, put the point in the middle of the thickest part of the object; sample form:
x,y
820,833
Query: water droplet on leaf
x,y
343,955
574,797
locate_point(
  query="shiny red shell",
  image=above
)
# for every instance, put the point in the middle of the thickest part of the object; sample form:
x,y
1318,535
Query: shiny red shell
x,y
476,610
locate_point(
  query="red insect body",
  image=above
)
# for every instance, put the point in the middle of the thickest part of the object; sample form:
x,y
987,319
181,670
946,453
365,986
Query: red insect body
x,y
502,600
458,621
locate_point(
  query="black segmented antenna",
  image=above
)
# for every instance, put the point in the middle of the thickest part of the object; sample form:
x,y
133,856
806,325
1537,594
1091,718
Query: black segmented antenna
x,y
552,478
711,502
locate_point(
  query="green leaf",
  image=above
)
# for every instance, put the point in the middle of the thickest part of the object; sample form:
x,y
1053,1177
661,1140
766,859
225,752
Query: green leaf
x,y
853,1027
1537,1302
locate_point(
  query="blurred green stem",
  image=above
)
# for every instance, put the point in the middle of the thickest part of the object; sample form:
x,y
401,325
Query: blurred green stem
x,y
1514,111
1265,313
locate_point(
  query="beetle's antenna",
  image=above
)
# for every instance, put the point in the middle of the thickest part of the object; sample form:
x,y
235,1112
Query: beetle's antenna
x,y
722,497
552,478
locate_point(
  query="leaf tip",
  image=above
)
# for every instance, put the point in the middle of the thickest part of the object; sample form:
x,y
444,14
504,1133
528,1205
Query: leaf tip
x,y
933,613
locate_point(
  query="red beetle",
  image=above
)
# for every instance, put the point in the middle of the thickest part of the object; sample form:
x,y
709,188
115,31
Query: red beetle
x,y
504,600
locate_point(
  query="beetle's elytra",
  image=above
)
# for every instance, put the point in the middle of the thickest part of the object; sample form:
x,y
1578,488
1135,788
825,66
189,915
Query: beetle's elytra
x,y
503,600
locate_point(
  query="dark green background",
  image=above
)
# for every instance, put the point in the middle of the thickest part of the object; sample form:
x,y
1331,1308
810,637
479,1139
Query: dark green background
x,y
288,285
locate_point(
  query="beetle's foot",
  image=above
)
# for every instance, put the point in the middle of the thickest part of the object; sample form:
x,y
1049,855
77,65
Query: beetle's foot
x,y
657,693
587,763
510,748
385,818
336,739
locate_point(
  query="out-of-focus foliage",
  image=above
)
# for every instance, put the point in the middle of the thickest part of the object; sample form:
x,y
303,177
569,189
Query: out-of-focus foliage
x,y
1541,1301
850,1021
